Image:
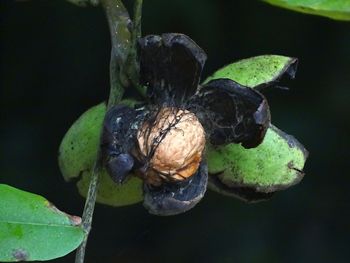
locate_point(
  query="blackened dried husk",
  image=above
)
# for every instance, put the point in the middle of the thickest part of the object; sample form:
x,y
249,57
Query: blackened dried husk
x,y
170,67
232,113
118,139
176,198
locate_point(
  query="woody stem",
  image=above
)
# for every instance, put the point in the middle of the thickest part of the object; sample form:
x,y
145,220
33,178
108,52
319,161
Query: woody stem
x,y
119,22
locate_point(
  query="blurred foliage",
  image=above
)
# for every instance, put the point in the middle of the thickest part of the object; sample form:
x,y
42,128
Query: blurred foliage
x,y
336,9
84,2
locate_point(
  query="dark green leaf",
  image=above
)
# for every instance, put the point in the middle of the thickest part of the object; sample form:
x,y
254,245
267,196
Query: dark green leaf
x,y
336,9
31,228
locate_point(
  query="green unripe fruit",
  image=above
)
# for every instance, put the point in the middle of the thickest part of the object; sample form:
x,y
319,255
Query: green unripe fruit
x,y
274,165
77,155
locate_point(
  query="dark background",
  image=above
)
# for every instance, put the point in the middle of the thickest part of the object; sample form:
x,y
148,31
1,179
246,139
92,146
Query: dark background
x,y
54,66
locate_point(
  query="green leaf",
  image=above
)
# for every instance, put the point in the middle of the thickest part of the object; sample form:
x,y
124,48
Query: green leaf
x,y
31,228
77,154
274,165
336,9
257,72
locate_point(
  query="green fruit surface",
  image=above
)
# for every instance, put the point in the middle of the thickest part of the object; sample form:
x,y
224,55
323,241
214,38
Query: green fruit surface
x,y
274,165
77,155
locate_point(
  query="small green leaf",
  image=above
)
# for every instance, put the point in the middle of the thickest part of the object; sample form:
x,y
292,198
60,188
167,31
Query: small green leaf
x,y
31,228
336,9
77,155
274,165
260,71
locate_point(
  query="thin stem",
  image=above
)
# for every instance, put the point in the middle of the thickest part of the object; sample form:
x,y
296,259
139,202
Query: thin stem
x,y
136,33
89,210
119,25
116,90
119,21
133,64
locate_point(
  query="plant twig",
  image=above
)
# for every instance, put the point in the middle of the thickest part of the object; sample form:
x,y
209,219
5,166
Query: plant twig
x,y
133,66
119,21
115,78
136,33
119,25
89,209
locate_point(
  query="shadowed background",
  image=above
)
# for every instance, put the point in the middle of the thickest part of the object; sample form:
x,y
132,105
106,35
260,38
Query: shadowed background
x,y
54,66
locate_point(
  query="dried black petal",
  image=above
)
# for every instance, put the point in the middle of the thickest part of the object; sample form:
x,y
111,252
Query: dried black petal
x,y
170,66
232,113
118,139
176,198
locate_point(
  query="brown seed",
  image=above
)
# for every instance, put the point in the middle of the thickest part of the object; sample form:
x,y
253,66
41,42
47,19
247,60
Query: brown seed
x,y
174,143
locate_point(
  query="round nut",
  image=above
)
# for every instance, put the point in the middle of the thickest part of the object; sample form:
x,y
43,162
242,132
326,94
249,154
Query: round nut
x,y
174,144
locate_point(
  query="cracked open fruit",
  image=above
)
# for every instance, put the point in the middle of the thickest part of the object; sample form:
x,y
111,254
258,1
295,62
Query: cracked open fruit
x,y
162,142
188,137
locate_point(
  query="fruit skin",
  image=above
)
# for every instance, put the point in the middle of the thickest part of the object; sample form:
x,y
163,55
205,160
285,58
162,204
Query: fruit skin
x,y
274,165
112,194
77,154
78,148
